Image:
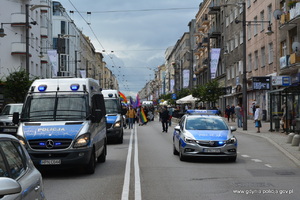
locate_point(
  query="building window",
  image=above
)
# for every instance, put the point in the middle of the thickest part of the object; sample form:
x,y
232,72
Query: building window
x,y
241,37
248,3
256,62
263,57
270,15
250,62
236,42
249,32
255,26
232,71
228,73
271,53
262,18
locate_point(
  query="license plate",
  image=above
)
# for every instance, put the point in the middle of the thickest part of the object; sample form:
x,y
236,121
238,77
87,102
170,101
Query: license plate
x,y
51,162
212,150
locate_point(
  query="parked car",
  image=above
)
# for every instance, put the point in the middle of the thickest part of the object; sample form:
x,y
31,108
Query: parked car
x,y
19,179
202,133
6,115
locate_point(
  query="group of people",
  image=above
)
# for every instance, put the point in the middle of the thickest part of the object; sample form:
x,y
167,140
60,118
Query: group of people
x,y
237,112
141,115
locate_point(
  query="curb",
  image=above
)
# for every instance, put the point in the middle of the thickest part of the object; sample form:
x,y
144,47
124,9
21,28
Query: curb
x,y
280,148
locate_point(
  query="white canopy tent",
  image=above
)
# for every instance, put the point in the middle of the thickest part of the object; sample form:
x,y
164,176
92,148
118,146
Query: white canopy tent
x,y
187,99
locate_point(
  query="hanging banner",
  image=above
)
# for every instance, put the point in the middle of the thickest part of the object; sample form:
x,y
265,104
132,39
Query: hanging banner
x,y
172,84
214,60
186,78
53,58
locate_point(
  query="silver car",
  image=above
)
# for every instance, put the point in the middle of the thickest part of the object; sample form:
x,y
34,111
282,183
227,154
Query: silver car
x,y
7,113
19,179
204,135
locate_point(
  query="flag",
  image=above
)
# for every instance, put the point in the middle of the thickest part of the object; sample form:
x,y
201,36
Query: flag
x,y
137,101
131,101
122,97
143,116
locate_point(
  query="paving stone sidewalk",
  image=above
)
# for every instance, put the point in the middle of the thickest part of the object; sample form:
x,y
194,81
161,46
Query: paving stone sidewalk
x,y
278,139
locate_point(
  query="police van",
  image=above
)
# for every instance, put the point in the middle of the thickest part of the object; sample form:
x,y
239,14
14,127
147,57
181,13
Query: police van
x,y
114,115
63,123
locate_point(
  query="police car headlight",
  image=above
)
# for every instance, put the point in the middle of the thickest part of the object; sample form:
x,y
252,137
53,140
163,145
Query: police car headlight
x,y
231,140
190,140
117,124
82,141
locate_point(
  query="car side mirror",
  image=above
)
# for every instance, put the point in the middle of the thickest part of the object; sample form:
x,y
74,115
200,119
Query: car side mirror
x,y
16,118
177,128
9,186
232,128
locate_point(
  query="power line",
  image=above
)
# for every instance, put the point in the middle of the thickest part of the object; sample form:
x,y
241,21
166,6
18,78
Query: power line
x,y
138,10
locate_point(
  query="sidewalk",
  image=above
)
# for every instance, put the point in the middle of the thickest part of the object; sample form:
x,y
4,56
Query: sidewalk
x,y
278,139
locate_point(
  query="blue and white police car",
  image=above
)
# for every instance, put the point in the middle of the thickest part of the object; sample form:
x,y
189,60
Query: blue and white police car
x,y
203,133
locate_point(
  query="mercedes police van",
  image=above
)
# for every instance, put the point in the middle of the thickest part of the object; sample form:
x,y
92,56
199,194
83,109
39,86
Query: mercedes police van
x,y
63,123
114,115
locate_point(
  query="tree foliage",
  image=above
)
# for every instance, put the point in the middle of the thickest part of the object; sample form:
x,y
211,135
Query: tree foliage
x,y
209,92
17,85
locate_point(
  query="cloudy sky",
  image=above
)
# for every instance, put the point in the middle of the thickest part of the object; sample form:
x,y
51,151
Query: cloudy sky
x,y
137,32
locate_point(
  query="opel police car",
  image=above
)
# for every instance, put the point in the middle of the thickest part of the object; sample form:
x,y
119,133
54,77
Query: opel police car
x,y
203,133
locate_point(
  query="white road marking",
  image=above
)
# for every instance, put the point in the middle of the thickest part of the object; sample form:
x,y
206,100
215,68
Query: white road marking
x,y
245,156
137,189
125,192
268,165
256,160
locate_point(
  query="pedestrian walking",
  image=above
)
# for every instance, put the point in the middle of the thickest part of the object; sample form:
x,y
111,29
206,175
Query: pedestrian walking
x,y
253,107
257,118
232,113
227,112
164,118
131,115
239,116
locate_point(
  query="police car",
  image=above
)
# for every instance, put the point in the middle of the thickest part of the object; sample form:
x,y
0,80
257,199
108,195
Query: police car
x,y
203,133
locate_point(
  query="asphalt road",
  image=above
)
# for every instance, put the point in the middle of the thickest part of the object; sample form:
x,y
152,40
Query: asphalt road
x,y
260,172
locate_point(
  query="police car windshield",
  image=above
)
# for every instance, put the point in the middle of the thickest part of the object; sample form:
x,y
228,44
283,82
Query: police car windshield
x,y
205,123
111,106
56,108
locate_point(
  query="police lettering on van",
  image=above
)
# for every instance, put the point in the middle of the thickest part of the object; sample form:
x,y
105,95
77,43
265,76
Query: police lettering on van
x,y
63,123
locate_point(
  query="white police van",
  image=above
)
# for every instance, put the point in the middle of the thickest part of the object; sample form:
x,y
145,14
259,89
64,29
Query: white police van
x,y
114,115
63,123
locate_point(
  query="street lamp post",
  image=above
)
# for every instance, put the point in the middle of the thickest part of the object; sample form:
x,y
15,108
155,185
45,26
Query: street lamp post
x,y
245,103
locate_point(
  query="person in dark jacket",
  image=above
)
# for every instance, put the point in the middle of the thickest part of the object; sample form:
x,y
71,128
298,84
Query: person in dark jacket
x,y
164,118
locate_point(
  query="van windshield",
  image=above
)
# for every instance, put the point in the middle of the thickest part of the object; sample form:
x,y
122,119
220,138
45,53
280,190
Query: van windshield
x,y
51,107
112,106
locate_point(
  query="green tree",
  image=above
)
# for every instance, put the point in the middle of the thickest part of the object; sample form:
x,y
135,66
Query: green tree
x,y
182,93
209,92
17,85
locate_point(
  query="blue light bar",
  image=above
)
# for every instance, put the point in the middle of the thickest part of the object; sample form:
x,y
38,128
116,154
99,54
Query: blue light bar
x,y
110,95
42,144
75,87
202,112
42,88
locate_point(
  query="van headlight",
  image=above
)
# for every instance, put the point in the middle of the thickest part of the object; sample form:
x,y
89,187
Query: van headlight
x,y
117,124
82,141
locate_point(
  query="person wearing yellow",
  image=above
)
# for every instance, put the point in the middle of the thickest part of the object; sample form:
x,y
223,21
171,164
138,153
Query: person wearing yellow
x,y
131,115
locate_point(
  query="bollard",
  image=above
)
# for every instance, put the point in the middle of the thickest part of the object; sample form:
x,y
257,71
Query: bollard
x,y
276,120
296,140
290,138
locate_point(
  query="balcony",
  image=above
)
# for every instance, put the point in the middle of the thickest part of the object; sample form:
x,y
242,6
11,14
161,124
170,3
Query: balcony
x,y
44,3
205,21
18,19
18,48
214,32
214,7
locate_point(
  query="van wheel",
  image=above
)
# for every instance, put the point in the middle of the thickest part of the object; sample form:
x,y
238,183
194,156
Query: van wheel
x,y
102,157
90,167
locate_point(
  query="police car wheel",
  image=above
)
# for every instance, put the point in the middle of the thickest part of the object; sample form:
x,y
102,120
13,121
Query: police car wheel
x,y
90,167
181,156
102,157
175,152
